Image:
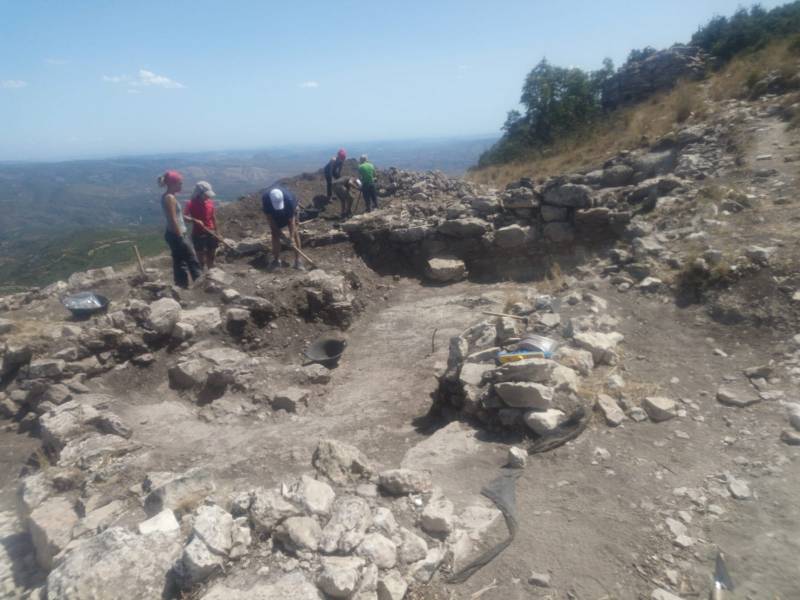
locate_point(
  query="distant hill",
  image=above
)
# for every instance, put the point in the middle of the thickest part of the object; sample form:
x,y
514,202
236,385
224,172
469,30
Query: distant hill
x,y
48,207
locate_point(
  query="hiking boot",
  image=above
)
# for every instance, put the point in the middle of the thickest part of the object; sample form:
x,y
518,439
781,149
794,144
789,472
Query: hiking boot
x,y
274,265
299,266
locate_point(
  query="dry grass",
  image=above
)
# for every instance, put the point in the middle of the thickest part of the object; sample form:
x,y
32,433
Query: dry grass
x,y
625,129
635,126
738,78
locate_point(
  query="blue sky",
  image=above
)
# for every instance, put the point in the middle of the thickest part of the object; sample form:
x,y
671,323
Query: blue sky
x,y
101,78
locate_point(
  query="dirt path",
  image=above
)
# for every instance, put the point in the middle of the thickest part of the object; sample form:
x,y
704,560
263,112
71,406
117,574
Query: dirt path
x,y
382,386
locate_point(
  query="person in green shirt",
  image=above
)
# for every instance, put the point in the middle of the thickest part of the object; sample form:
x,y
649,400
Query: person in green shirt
x,y
366,172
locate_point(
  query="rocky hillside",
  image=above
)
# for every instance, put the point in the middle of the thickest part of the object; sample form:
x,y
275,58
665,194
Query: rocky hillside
x,y
180,445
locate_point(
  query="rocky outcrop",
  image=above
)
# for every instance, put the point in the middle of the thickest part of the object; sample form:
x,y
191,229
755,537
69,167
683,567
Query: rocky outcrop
x,y
638,80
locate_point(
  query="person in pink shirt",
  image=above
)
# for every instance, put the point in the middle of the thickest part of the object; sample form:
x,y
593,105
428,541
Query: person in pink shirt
x,y
200,209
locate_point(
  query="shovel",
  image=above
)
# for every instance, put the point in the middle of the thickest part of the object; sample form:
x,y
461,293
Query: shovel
x,y
215,236
300,252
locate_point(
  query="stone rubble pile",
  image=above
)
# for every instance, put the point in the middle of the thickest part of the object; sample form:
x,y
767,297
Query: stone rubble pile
x,y
461,228
533,395
353,531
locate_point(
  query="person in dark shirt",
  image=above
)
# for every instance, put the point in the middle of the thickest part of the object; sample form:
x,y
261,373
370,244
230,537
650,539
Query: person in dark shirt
x,y
333,170
280,206
344,187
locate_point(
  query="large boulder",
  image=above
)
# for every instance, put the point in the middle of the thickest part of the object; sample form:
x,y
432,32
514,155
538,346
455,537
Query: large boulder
x,y
444,270
163,315
202,318
350,519
268,508
50,525
341,462
525,395
293,586
513,236
399,482
601,345
92,277
299,534
316,497
568,195
115,564
617,176
538,370
464,228
544,422
187,374
66,422
340,576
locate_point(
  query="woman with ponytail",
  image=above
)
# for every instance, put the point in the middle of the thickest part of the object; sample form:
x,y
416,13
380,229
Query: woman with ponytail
x,y
184,260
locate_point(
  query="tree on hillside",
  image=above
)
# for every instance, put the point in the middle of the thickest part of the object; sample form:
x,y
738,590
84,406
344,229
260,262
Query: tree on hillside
x,y
639,54
557,102
747,29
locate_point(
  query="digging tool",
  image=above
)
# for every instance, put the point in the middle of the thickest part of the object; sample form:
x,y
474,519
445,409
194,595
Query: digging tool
x,y
497,314
722,580
300,252
214,235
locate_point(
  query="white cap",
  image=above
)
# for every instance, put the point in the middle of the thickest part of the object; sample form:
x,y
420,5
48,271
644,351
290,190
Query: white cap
x,y
276,197
203,188
363,158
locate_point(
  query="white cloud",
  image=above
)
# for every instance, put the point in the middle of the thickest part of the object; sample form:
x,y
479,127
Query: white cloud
x,y
13,84
56,61
309,85
143,78
147,78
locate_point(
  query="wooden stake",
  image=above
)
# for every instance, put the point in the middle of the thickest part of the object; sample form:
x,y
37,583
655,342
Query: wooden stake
x,y
139,260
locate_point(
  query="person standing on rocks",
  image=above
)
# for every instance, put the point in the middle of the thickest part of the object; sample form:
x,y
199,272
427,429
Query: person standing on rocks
x,y
184,260
333,170
343,188
366,172
204,218
280,206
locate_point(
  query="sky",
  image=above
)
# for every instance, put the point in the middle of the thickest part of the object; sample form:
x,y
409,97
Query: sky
x,y
84,78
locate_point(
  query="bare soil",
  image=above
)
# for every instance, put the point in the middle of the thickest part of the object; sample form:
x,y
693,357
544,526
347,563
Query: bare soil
x,y
594,521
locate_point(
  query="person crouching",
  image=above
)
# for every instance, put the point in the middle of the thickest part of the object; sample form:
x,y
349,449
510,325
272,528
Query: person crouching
x,y
203,215
280,206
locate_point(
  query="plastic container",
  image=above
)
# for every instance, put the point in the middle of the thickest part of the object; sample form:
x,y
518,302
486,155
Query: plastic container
x,y
85,304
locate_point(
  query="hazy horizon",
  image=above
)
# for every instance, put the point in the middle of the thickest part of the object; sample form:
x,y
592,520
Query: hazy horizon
x,y
96,79
352,147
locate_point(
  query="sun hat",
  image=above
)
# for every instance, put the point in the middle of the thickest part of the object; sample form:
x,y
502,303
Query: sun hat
x,y
276,197
203,188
